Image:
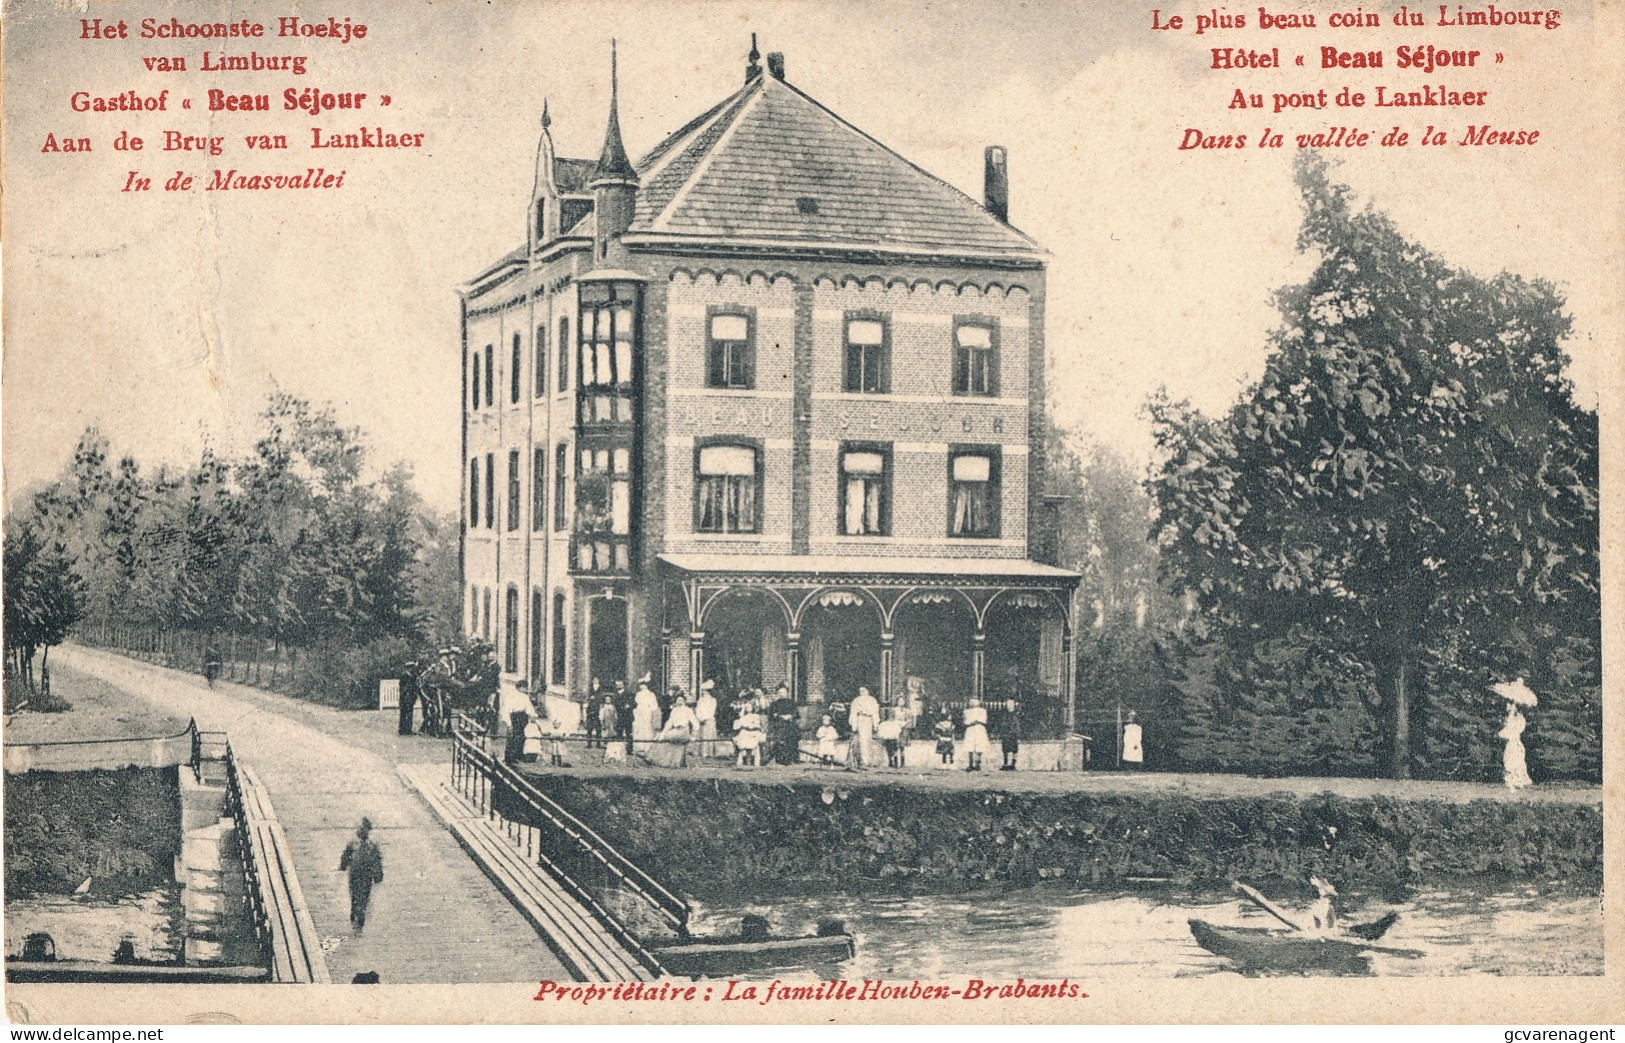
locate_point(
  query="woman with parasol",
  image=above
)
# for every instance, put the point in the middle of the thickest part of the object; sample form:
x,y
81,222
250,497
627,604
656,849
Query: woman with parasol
x,y
1514,766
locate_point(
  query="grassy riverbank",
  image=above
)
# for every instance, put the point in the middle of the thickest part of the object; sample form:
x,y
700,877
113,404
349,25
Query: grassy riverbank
x,y
713,838
119,829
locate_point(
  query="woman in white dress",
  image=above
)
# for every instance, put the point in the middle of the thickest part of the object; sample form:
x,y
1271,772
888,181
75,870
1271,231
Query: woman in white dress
x,y
645,715
1514,766
705,712
864,719
975,744
681,727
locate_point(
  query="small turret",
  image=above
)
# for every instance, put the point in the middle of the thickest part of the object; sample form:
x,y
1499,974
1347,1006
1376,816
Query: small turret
x,y
614,181
544,193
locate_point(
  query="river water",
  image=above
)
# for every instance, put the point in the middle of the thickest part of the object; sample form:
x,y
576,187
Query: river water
x,y
90,926
1054,931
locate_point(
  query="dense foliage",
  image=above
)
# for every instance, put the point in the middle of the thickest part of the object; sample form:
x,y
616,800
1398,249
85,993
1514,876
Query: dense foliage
x,y
119,828
744,838
1402,509
290,550
44,595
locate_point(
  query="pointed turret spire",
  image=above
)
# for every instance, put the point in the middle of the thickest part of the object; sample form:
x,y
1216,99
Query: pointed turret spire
x,y
612,162
753,70
547,121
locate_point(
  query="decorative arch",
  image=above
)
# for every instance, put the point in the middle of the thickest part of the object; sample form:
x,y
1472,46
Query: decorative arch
x,y
858,593
1031,597
944,593
706,603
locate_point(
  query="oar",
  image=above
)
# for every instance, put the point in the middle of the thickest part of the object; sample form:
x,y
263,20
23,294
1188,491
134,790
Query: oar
x,y
1267,905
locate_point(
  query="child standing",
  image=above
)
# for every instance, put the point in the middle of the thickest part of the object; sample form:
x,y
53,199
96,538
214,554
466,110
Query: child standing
x,y
826,735
944,731
748,736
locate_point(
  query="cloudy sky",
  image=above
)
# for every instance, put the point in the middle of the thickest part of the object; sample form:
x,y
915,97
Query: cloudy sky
x,y
166,318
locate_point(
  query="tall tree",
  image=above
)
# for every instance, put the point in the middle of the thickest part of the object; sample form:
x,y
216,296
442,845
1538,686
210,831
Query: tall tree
x,y
44,597
1412,463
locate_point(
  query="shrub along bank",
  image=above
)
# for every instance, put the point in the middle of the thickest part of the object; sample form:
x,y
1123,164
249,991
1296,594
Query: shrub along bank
x,y
716,840
120,829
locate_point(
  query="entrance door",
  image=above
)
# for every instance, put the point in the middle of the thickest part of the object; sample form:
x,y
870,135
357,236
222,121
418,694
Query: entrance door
x,y
841,652
606,640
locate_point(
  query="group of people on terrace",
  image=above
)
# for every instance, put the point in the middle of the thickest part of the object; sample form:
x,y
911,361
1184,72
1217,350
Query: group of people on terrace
x,y
757,728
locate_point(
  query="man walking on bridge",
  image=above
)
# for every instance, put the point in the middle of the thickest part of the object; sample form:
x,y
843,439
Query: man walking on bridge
x,y
366,867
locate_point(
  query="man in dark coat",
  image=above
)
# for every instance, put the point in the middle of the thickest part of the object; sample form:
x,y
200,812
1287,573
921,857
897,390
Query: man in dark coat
x,y
592,715
365,864
409,696
623,715
783,729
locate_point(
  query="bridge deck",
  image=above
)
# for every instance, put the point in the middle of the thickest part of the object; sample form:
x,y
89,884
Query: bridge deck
x,y
586,948
436,918
295,944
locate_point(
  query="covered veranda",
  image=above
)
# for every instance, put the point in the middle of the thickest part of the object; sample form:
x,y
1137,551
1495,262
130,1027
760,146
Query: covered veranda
x,y
936,630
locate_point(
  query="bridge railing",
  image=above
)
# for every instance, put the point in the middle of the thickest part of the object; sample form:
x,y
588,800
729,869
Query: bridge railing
x,y
254,892
610,885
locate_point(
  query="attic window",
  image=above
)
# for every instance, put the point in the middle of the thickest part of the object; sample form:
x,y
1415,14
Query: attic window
x,y
807,204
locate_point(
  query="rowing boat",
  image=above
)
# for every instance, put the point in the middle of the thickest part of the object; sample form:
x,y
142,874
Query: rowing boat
x,y
723,957
1260,948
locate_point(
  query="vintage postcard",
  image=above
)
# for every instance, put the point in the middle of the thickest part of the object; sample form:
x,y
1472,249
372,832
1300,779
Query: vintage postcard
x,y
703,511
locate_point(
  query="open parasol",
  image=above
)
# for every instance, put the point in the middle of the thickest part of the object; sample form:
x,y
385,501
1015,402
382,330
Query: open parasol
x,y
1515,692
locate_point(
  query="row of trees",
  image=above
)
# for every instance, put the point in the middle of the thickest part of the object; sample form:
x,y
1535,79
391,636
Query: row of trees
x,y
290,545
1401,510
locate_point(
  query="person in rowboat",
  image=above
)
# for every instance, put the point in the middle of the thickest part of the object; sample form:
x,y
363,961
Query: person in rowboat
x,y
1321,917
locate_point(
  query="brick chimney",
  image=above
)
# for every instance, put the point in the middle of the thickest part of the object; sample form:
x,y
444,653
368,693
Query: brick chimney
x,y
775,65
996,182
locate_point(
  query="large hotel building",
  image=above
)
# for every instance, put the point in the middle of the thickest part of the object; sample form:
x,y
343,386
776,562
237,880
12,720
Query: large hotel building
x,y
765,406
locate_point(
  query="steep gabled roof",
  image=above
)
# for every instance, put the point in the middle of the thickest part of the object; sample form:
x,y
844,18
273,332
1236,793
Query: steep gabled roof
x,y
770,163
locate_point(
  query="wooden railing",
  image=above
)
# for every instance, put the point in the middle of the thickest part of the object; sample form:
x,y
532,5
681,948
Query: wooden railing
x,y
254,892
583,862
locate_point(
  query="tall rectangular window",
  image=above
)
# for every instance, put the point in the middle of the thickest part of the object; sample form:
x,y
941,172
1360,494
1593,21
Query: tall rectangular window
x,y
868,347
604,491
513,491
731,351
510,631
518,368
564,354
490,375
973,492
536,637
865,494
538,489
485,614
727,489
475,383
560,647
561,490
471,625
473,492
541,359
490,490
975,359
